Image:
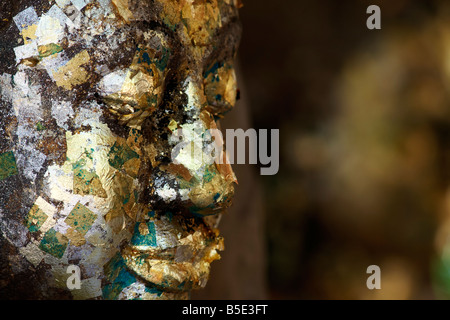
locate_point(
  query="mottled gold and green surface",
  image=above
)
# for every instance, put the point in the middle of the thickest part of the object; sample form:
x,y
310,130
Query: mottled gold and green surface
x,y
93,92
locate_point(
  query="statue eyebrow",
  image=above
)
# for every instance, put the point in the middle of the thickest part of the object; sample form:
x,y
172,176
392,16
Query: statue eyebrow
x,y
233,23
229,33
158,26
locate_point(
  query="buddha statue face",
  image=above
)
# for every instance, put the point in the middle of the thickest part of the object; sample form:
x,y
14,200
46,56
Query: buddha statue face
x,y
107,157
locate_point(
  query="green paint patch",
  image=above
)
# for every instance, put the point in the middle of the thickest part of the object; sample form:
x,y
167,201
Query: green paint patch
x,y
8,166
145,58
126,199
209,173
159,59
54,243
184,184
48,50
35,219
40,127
119,154
81,219
148,239
117,276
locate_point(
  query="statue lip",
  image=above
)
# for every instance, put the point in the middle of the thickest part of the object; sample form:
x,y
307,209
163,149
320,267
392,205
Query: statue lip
x,y
173,252
180,268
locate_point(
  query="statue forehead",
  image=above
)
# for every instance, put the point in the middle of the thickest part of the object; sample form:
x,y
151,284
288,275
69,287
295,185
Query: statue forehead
x,y
199,18
195,21
191,23
90,31
193,17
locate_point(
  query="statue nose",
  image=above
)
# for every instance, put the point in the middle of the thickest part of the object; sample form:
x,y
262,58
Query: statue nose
x,y
221,161
197,179
194,175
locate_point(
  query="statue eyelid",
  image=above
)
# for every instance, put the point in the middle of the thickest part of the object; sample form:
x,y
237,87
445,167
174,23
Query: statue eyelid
x,y
220,87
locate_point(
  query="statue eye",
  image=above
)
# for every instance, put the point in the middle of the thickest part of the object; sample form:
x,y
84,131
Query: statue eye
x,y
126,111
131,94
220,88
120,108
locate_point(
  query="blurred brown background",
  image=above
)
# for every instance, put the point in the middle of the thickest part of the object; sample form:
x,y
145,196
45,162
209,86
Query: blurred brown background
x,y
364,119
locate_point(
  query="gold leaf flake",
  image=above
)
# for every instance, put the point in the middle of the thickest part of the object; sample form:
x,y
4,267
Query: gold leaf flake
x,y
29,33
122,8
72,73
75,237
